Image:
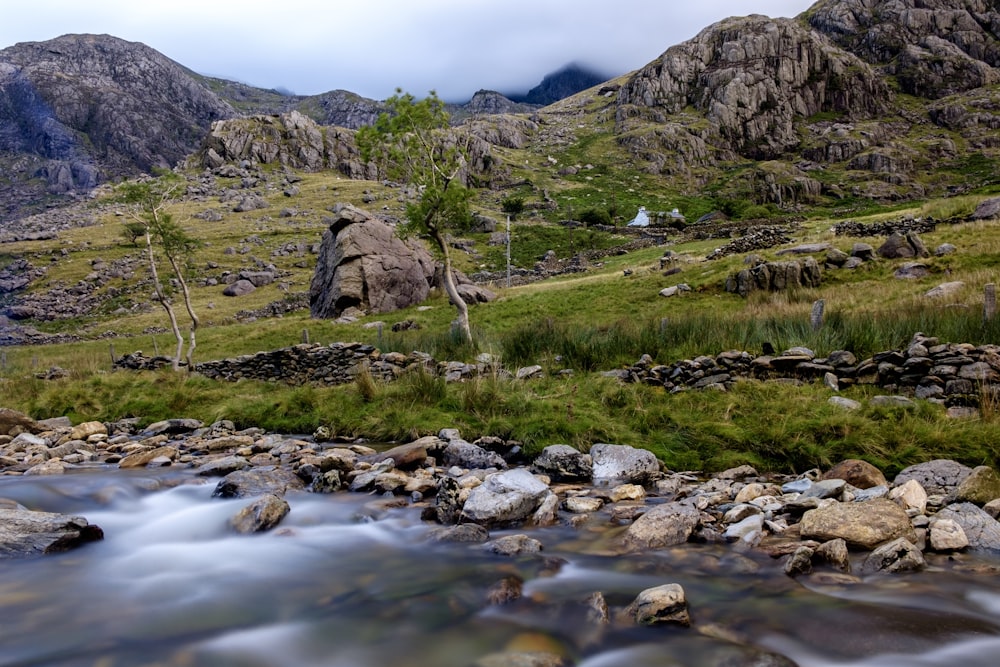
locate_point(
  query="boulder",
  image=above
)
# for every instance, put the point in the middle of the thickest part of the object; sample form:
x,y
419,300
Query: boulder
x,y
661,605
947,535
623,463
899,555
239,288
988,209
466,455
981,529
564,463
12,422
504,498
864,525
662,526
24,533
980,487
263,514
938,477
364,264
857,473
257,482
408,456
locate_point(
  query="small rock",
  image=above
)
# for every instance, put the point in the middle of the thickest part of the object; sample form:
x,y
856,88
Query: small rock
x,y
661,605
261,515
899,555
513,545
947,535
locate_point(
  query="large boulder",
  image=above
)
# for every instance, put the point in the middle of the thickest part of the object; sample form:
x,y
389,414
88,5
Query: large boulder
x,y
662,526
981,530
938,477
364,264
504,498
564,463
25,533
623,464
864,525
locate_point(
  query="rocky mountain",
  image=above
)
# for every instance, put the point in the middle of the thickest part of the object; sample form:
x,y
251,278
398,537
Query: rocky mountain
x,y
560,84
79,110
851,98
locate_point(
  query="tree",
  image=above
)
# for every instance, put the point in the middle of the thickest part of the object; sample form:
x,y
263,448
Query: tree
x,y
411,142
147,203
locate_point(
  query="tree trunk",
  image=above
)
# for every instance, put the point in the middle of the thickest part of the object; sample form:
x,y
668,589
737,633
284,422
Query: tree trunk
x,y
190,310
449,285
164,301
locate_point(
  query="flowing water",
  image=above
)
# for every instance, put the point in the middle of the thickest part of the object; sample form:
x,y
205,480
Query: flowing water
x,y
348,581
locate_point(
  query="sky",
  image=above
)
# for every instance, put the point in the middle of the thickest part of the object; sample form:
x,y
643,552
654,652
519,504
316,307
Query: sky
x,y
371,47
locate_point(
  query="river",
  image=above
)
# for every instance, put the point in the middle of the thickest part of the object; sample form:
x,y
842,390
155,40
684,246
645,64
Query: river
x,y
348,581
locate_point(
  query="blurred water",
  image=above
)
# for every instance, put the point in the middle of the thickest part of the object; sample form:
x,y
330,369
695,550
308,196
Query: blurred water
x,y
331,587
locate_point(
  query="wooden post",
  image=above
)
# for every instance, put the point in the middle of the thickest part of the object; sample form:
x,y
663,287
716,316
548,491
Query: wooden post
x,y
156,348
990,301
112,347
816,318
305,335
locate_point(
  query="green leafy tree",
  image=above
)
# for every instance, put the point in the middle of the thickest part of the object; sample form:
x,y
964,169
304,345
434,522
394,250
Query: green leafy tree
x,y
411,142
512,206
148,218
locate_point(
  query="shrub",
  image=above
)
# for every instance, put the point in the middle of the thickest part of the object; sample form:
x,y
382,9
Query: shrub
x,y
595,216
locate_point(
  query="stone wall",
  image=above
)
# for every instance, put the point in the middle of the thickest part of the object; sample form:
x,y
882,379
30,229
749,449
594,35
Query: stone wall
x,y
952,373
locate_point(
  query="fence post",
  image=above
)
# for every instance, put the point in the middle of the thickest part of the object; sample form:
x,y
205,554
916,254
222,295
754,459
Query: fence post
x,y
112,349
305,335
990,301
156,348
816,318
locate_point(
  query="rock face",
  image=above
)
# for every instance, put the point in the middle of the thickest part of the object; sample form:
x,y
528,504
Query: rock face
x,y
290,139
363,264
933,47
751,77
93,107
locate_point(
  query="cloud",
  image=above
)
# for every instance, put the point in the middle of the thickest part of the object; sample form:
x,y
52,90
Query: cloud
x,y
452,46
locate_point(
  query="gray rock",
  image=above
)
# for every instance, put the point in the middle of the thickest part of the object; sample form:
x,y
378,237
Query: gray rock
x,y
24,533
892,402
825,488
899,555
844,403
799,562
504,498
239,288
945,249
513,545
981,529
363,264
466,455
940,476
261,515
564,463
661,605
257,482
623,463
471,533
945,290
662,526
987,209
222,466
947,535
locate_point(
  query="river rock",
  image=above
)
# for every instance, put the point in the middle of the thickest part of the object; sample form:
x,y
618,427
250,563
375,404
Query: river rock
x,y
406,457
938,477
222,466
982,530
24,533
87,429
513,545
623,463
504,498
658,606
980,487
13,422
857,473
521,659
910,496
799,562
863,525
582,504
563,463
835,554
263,514
171,426
899,555
947,535
467,455
662,526
142,459
52,467
257,482
462,533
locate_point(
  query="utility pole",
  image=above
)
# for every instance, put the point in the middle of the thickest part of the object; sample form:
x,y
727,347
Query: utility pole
x,y
508,251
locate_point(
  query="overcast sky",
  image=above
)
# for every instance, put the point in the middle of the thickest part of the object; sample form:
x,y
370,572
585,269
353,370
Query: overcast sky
x,y
370,47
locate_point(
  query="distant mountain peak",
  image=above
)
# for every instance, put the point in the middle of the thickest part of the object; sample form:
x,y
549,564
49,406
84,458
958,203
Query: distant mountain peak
x,y
568,80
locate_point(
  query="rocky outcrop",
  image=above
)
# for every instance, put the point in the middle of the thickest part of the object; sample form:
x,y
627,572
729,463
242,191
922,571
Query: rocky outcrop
x,y
933,47
290,139
95,107
364,265
775,277
751,78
